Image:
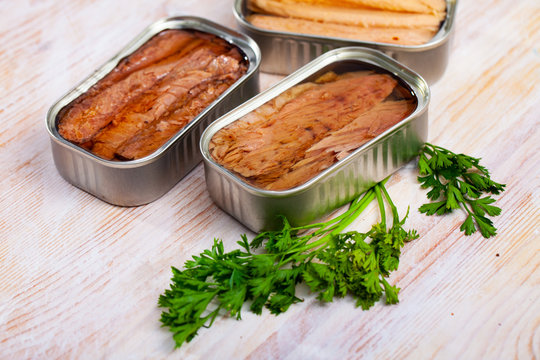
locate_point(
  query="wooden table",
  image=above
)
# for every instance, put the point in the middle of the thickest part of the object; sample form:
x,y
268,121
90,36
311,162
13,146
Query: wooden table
x,y
80,278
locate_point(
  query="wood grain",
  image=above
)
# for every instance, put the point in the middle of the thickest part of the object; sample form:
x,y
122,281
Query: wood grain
x,y
80,278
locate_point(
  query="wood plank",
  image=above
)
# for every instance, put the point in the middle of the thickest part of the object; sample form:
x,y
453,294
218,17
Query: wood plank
x,y
80,278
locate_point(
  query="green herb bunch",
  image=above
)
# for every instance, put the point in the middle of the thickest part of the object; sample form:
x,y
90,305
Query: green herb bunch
x,y
266,271
458,181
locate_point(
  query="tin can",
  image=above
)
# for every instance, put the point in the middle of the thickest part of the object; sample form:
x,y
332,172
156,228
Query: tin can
x,y
284,52
259,209
137,182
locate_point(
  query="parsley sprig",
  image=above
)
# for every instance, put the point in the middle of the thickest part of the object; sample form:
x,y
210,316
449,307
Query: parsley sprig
x,y
458,181
266,271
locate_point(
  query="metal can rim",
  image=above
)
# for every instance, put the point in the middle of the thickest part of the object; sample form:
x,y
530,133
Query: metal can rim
x,y
242,41
439,38
371,56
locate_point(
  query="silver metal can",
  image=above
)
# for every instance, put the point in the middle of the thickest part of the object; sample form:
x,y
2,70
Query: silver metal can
x,y
337,185
137,182
284,52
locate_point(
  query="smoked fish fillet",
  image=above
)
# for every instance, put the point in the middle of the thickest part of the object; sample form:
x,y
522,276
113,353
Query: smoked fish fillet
x,y
92,111
152,105
365,17
402,22
159,47
376,34
339,144
228,136
362,129
306,129
201,95
414,6
148,86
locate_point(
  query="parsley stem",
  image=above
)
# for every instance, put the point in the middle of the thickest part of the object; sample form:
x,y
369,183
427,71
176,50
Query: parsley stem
x,y
392,205
356,209
352,211
381,205
323,226
330,262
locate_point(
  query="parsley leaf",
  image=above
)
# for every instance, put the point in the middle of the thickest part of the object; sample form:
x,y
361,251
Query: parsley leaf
x,y
457,181
267,270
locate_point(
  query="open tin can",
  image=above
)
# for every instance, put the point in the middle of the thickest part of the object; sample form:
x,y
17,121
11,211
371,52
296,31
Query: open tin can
x,y
140,181
284,52
259,209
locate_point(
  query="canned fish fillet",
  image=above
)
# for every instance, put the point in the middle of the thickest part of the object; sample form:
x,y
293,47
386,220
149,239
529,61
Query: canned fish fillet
x,y
129,132
317,139
291,33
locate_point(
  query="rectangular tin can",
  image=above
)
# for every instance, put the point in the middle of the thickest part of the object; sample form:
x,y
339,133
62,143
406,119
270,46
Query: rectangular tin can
x,y
284,52
337,185
137,182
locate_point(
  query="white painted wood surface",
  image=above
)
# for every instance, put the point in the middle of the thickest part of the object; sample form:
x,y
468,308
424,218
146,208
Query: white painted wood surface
x,y
80,278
